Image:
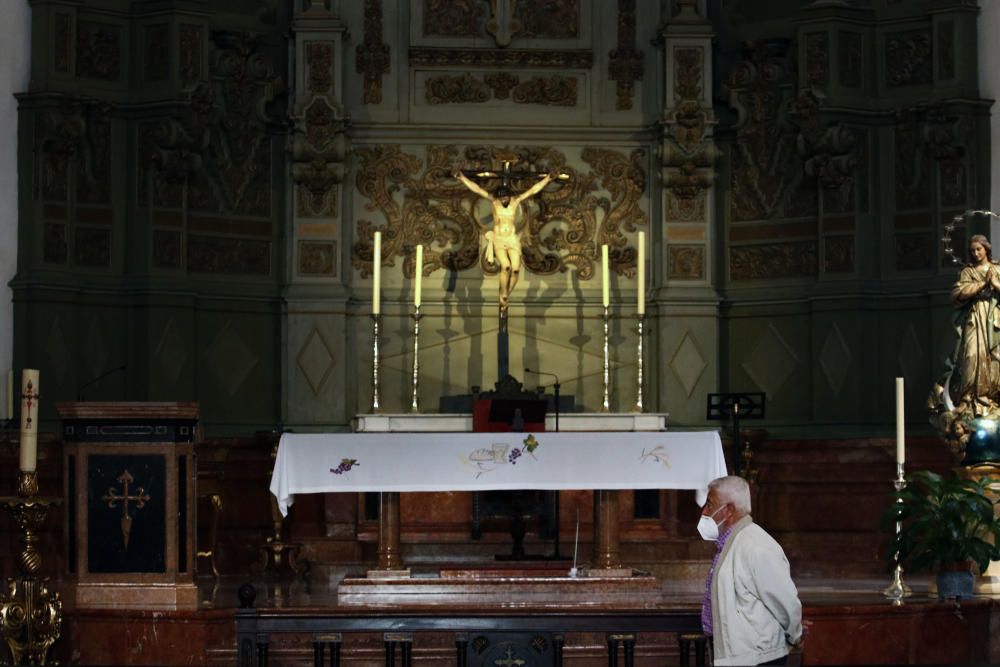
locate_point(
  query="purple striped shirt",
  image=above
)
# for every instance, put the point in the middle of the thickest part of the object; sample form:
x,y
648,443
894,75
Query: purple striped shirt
x,y
706,600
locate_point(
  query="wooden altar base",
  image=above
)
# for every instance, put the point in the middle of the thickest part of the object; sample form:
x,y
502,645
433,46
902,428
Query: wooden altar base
x,y
503,585
850,624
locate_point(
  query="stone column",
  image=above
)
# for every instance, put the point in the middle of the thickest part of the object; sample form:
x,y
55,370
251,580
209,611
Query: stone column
x,y
315,305
686,301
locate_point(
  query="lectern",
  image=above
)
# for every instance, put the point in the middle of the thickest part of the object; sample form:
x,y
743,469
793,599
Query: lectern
x,y
130,504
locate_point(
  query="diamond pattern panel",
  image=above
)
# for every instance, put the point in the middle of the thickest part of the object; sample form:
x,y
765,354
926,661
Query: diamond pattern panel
x,y
835,359
171,353
315,360
688,363
771,362
230,359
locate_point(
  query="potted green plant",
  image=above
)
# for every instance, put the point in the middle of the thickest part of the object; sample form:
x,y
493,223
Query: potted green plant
x,y
948,524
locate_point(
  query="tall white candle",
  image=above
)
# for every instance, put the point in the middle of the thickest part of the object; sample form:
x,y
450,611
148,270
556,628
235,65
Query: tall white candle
x,y
29,419
900,423
377,279
419,275
10,393
641,286
605,277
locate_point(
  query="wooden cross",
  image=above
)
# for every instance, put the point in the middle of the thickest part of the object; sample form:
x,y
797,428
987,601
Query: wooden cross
x,y
112,497
509,660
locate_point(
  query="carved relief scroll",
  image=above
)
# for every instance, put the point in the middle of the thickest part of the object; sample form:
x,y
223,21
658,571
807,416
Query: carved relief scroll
x,y
373,54
418,202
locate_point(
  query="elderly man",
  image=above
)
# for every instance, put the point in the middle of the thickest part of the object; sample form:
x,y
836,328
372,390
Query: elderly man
x,y
751,609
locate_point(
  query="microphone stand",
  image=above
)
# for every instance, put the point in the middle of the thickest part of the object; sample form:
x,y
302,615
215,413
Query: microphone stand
x,y
87,385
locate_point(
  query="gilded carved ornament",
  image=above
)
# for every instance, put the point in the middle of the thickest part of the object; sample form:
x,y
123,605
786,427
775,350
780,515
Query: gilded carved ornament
x,y
420,203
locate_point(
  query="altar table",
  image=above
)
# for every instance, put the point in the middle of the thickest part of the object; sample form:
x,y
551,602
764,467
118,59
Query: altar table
x,y
391,463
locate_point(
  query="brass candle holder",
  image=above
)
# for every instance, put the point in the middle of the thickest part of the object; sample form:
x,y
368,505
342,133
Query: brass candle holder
x,y
897,589
415,402
376,391
640,318
606,402
30,613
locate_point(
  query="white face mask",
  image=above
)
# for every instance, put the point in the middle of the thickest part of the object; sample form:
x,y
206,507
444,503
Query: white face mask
x,y
707,528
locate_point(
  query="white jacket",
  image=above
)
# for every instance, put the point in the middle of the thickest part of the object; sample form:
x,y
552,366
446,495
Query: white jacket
x,y
756,613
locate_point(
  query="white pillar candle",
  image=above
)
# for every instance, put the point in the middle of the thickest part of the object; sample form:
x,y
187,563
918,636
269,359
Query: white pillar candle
x,y
419,270
377,275
29,419
605,277
641,286
900,423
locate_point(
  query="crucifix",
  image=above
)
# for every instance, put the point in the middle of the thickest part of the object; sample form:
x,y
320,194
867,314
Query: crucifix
x,y
112,498
504,240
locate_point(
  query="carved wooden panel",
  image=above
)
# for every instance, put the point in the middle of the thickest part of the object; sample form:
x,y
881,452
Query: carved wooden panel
x,y
319,60
908,57
913,252
625,65
686,262
166,249
98,50
946,49
453,18
318,258
817,59
54,244
838,254
561,227
558,19
779,260
553,90
515,58
61,43
851,62
92,247
156,52
373,54
233,256
191,52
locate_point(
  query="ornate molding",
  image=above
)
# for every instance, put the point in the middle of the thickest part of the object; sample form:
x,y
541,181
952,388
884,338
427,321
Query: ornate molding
x,y
319,60
219,147
452,18
625,65
908,56
779,260
418,202
506,58
687,149
98,50
373,54
553,90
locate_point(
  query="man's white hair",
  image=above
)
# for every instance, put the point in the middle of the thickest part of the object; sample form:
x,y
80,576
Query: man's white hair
x,y
733,490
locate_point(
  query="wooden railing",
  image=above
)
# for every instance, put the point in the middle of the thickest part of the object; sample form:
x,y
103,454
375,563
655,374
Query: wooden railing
x,y
543,631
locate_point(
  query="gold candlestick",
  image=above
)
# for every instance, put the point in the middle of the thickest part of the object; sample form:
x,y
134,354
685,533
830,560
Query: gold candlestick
x,y
639,318
415,403
30,613
897,589
376,392
606,403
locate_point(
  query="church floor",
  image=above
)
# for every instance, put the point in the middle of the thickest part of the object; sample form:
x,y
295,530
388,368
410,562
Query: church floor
x,y
849,622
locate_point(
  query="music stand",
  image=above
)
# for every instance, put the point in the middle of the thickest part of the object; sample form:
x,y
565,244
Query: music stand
x,y
736,406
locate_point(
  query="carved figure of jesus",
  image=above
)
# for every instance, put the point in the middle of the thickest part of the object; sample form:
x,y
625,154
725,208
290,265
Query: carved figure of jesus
x,y
504,240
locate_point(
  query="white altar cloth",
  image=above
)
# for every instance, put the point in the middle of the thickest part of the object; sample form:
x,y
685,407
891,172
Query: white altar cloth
x,y
353,462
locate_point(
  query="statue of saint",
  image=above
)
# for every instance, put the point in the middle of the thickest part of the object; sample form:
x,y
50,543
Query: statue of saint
x,y
970,389
504,240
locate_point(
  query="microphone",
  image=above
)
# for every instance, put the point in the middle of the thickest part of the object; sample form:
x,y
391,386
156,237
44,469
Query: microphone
x,y
552,375
79,391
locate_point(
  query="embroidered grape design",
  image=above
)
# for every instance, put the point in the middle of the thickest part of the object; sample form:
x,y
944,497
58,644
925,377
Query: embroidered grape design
x,y
514,455
345,465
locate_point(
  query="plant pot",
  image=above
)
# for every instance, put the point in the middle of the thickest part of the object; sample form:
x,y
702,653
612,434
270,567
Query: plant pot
x,y
955,584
